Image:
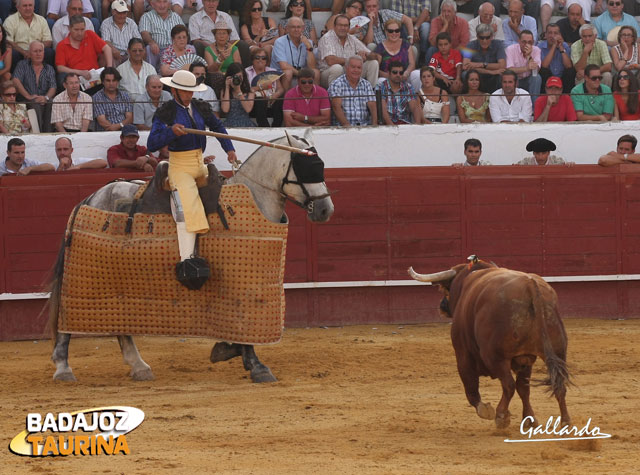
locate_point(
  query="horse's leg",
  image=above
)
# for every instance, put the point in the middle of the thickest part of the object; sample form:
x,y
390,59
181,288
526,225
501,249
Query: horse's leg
x,y
259,372
223,351
140,371
60,358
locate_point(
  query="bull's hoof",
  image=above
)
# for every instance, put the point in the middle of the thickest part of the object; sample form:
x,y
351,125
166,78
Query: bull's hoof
x,y
222,351
143,375
503,420
485,411
64,376
262,374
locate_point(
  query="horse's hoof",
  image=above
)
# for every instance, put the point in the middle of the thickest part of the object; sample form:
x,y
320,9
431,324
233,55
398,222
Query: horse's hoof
x,y
143,375
222,351
528,424
503,420
485,411
64,376
262,374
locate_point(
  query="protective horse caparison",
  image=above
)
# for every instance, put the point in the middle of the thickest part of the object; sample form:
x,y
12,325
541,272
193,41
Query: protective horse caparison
x,y
271,179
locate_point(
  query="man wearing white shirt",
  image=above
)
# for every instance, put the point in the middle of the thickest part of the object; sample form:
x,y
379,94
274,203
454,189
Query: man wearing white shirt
x,y
510,104
186,8
64,150
57,9
60,28
118,30
208,95
134,71
486,15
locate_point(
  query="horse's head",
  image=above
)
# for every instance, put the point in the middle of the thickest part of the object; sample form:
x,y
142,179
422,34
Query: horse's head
x,y
304,182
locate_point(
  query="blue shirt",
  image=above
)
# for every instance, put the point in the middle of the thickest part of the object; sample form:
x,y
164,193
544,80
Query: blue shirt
x,y
527,23
285,50
556,66
27,163
161,134
604,23
354,101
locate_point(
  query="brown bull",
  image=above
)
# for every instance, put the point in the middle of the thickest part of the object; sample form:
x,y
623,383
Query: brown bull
x,y
502,321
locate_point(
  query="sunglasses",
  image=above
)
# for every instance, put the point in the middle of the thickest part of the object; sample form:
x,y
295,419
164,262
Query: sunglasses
x,y
397,30
256,9
624,76
484,37
615,4
297,4
262,58
595,78
396,72
306,81
9,94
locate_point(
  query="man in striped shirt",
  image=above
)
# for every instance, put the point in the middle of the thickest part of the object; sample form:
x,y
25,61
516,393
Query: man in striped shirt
x,y
118,30
72,109
155,28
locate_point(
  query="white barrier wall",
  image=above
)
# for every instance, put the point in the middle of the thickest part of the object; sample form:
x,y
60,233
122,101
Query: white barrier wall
x,y
389,146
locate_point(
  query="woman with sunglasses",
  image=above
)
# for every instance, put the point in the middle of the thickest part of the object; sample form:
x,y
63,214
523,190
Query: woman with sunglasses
x,y
352,9
5,56
625,53
237,99
394,48
473,104
299,8
256,30
13,116
434,100
267,96
625,93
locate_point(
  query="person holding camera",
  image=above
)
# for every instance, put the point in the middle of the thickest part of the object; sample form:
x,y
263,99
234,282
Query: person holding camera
x,y
237,98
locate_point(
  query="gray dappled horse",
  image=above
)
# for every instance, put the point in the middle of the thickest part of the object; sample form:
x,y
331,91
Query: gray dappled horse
x,y
270,176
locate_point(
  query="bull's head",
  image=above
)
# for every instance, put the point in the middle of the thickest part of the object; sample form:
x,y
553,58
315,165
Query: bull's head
x,y
449,280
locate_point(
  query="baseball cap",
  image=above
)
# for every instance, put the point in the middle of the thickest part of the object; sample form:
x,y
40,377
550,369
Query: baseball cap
x,y
554,81
128,130
120,6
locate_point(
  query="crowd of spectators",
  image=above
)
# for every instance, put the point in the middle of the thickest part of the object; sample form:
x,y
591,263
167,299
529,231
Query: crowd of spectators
x,y
93,66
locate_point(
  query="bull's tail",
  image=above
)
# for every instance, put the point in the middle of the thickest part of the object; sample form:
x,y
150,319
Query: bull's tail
x,y
558,377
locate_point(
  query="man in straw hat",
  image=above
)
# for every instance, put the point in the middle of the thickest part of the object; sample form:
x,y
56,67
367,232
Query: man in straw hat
x,y
186,164
541,149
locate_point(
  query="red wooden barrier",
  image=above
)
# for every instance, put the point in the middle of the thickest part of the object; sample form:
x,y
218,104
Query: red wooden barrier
x,y
554,221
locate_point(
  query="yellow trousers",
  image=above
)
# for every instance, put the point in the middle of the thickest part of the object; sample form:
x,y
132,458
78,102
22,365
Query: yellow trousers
x,y
185,169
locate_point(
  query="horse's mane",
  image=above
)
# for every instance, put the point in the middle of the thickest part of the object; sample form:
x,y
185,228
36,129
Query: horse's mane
x,y
302,139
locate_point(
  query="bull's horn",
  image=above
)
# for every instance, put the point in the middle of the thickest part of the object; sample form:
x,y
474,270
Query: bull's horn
x,y
437,277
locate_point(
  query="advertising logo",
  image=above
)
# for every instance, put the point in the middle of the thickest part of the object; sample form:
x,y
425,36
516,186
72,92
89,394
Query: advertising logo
x,y
86,432
554,431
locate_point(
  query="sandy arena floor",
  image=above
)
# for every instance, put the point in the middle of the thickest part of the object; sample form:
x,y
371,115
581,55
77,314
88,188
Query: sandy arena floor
x,y
361,399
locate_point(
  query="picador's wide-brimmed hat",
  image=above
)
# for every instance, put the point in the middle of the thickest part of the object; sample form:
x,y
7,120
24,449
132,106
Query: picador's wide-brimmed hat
x,y
184,80
541,145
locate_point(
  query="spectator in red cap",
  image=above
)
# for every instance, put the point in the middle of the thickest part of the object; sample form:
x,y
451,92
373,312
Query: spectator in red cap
x,y
554,106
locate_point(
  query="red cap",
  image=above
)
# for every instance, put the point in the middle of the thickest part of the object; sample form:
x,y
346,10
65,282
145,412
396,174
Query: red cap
x,y
554,81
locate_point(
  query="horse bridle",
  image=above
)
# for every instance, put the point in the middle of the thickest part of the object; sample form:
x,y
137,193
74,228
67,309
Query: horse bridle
x,y
311,168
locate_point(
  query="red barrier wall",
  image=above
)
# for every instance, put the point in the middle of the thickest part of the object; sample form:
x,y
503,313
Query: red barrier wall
x,y
554,221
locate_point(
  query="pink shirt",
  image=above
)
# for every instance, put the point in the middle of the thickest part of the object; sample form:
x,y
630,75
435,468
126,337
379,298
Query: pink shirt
x,y
319,101
515,58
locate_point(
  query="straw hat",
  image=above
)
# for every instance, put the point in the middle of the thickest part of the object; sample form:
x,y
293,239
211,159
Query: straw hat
x,y
184,80
221,25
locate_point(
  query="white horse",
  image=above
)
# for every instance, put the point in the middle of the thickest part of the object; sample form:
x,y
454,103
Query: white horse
x,y
270,176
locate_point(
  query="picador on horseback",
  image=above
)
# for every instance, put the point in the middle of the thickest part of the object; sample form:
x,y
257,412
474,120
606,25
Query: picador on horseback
x,y
187,170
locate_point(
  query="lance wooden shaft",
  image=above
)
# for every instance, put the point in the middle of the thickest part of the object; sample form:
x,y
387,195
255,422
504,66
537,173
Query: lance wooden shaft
x,y
248,140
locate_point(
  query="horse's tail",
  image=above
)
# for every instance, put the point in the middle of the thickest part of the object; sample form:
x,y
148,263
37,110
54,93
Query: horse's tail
x,y
558,377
